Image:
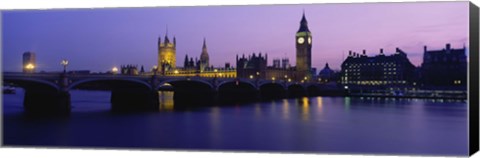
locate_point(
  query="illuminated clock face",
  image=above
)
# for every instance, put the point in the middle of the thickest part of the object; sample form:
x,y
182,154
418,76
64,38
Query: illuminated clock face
x,y
300,40
309,40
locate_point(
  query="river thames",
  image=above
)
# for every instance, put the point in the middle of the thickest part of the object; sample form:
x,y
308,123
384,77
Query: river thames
x,y
306,125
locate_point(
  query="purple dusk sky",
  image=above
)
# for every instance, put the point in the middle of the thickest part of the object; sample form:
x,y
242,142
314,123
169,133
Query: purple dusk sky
x,y
98,39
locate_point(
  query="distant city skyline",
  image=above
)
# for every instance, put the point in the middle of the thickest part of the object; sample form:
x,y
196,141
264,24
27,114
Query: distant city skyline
x,y
100,39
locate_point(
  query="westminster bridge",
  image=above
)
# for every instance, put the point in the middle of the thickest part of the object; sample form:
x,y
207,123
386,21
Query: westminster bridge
x,y
49,92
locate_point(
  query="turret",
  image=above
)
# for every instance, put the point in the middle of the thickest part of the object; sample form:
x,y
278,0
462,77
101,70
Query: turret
x,y
166,40
159,40
174,42
303,24
185,62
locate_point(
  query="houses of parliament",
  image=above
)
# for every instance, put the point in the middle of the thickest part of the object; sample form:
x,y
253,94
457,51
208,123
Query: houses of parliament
x,y
253,66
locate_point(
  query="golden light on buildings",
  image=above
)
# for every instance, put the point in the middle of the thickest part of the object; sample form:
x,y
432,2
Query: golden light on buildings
x,y
251,76
305,78
215,70
30,66
289,80
176,71
273,78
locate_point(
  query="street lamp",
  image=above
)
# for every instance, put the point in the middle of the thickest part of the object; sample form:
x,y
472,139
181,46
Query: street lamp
x,y
64,63
30,67
155,69
114,70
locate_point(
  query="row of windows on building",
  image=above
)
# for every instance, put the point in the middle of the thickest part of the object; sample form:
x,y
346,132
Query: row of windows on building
x,y
397,69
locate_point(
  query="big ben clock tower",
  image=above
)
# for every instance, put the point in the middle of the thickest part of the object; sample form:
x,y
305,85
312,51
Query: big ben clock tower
x,y
303,42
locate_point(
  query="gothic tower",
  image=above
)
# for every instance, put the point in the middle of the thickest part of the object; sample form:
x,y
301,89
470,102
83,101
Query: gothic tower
x,y
166,54
303,42
204,59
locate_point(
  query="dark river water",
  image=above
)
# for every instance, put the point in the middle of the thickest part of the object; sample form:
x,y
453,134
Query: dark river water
x,y
316,124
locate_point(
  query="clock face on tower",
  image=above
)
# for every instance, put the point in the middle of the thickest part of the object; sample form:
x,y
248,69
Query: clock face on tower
x,y
300,40
309,40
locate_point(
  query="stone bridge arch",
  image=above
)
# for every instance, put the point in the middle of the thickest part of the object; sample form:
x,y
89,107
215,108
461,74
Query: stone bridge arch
x,y
239,80
237,90
42,97
32,83
190,91
272,90
127,94
173,80
89,80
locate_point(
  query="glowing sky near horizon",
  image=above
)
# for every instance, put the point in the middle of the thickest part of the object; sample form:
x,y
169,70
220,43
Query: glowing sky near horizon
x,y
98,39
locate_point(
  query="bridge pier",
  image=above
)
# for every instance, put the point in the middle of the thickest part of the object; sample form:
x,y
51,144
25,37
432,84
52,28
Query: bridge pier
x,y
134,100
46,103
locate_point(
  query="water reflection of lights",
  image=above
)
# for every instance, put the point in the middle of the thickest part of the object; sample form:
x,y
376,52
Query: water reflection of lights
x,y
347,103
320,104
165,99
215,124
258,110
305,109
273,106
286,109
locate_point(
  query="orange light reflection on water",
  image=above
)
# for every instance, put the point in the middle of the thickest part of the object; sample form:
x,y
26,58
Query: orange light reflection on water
x,y
305,109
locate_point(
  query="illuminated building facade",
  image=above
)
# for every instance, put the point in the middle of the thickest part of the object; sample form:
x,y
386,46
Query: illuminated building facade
x,y
381,70
202,67
253,66
280,70
204,59
129,69
29,62
446,67
166,55
303,44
